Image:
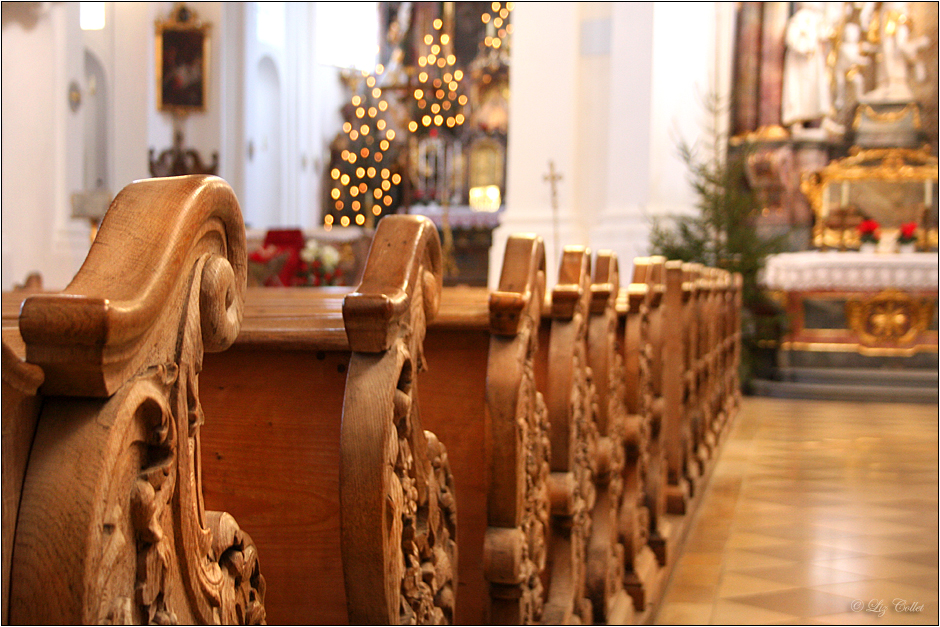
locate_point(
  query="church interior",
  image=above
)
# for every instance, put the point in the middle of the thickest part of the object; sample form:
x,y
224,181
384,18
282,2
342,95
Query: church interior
x,y
667,274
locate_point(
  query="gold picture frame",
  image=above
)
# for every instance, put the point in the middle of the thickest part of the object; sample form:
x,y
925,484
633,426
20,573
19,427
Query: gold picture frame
x,y
182,62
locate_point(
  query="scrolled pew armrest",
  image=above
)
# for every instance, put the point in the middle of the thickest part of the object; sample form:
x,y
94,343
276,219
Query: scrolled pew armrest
x,y
126,300
397,506
163,282
404,253
515,546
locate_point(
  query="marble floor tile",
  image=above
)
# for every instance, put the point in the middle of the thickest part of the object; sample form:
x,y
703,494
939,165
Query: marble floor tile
x,y
684,613
814,507
878,566
805,574
728,612
736,584
801,601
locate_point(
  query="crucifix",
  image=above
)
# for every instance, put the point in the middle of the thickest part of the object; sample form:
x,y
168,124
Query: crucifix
x,y
552,179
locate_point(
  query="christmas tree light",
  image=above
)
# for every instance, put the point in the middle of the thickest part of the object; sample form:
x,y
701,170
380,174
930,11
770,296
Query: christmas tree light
x,y
364,178
498,27
438,97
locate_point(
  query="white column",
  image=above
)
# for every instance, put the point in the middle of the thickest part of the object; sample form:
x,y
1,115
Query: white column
x,y
607,92
622,225
542,126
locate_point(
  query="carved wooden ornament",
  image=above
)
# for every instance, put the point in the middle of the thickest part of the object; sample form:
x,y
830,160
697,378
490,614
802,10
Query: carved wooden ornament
x,y
676,423
570,399
649,271
112,517
605,558
515,544
640,569
397,507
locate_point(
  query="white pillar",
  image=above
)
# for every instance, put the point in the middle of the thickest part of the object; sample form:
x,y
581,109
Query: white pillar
x,y
607,91
543,119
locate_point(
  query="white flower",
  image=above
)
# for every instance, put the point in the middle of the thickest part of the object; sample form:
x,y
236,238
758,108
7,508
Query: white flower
x,y
330,257
310,251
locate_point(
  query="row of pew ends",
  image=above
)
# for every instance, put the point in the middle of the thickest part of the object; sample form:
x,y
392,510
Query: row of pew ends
x,y
180,448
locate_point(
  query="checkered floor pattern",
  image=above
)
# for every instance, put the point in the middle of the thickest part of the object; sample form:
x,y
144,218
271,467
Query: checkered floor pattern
x,y
817,513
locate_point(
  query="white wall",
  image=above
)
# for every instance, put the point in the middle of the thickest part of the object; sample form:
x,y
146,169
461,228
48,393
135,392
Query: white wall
x,y
543,126
602,90
42,160
43,52
607,91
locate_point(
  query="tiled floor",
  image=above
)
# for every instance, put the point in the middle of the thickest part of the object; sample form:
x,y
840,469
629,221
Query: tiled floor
x,y
817,513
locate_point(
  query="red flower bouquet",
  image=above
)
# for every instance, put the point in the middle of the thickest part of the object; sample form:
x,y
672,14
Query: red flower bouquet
x,y
868,231
908,233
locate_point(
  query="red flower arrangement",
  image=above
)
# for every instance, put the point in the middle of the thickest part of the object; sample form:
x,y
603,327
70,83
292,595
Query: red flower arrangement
x,y
868,231
908,233
286,259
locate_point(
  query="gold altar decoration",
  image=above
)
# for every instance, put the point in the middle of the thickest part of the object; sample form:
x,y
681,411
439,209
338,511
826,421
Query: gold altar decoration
x,y
867,112
889,185
889,317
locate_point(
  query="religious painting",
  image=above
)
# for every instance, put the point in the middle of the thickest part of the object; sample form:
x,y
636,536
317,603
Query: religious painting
x,y
182,62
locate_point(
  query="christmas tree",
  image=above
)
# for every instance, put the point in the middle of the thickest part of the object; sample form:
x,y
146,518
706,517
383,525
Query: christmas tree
x,y
438,96
364,171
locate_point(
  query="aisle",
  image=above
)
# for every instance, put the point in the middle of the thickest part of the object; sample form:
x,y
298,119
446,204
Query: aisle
x,y
814,509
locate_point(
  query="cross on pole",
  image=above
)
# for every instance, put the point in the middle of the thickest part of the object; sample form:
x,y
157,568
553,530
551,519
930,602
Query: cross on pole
x,y
552,179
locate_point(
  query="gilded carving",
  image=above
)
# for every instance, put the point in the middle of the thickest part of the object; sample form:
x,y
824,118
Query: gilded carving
x,y
884,168
890,317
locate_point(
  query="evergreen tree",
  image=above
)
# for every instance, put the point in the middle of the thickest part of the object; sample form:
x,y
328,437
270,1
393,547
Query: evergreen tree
x,y
724,233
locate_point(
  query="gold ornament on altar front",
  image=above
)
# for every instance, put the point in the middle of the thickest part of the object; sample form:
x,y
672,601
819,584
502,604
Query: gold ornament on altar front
x,y
890,317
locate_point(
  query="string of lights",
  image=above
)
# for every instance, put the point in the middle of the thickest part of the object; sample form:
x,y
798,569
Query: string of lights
x,y
364,184
438,97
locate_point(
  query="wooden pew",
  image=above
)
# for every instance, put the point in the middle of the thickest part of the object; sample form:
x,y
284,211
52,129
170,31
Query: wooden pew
x,y
644,499
503,537
650,271
481,400
479,396
111,525
563,374
694,296
318,446
606,553
463,343
732,285
21,405
736,303
700,378
680,426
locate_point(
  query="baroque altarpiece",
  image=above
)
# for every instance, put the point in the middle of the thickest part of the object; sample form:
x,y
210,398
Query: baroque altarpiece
x,y
835,111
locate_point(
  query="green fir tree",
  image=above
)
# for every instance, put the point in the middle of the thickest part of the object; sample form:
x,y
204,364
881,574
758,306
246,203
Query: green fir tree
x,y
724,234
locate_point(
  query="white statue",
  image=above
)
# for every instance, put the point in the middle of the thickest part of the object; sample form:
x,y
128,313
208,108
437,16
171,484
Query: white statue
x,y
849,61
890,27
806,96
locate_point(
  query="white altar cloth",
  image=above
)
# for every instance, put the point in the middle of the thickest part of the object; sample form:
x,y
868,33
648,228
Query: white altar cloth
x,y
850,271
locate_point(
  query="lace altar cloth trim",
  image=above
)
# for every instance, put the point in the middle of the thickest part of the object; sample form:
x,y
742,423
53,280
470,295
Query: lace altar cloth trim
x,y
850,271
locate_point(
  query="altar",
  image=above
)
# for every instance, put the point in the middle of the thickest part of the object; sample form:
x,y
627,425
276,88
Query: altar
x,y
867,303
